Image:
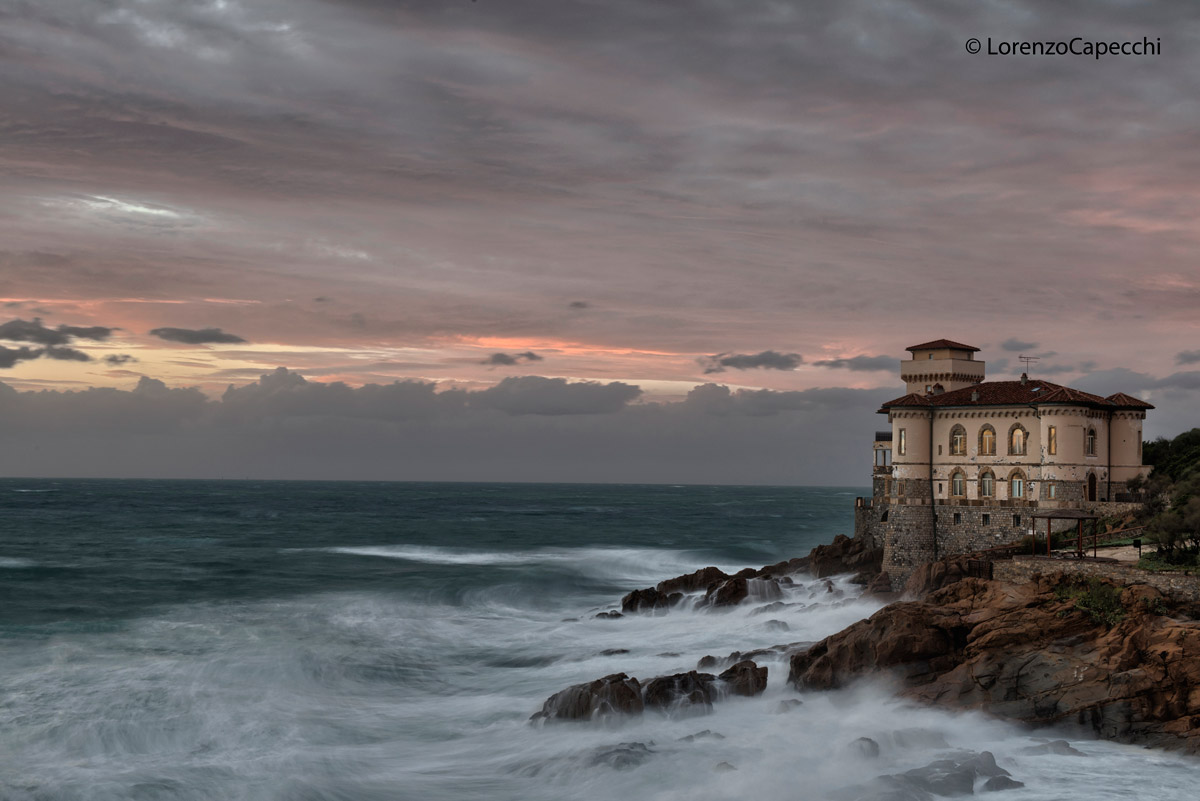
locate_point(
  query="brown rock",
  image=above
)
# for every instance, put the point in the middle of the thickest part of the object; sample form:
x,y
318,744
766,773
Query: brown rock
x,y
1025,652
612,695
680,691
692,582
745,678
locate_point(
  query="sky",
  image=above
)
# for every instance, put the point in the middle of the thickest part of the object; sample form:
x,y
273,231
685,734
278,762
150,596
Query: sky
x,y
536,240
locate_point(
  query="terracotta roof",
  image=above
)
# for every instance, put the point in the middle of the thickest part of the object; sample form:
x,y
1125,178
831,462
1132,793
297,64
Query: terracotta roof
x,y
1014,393
938,344
1124,401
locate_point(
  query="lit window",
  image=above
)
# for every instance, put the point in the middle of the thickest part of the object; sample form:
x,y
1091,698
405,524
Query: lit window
x,y
1051,490
1090,444
902,449
987,485
1052,440
1018,487
987,442
958,485
1016,441
958,441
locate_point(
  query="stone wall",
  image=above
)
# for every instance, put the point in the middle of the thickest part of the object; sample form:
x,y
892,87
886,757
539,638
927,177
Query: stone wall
x,y
1021,569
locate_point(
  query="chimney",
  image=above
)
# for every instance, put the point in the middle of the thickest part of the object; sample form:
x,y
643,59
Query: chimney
x,y
975,396
1024,379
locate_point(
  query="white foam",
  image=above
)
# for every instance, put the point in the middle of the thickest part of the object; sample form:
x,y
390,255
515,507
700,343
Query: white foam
x,y
16,562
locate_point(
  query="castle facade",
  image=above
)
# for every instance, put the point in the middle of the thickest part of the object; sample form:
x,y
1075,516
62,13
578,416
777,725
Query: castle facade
x,y
967,462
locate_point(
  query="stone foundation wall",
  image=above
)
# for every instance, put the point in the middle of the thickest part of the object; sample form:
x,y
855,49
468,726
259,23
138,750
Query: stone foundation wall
x,y
1021,569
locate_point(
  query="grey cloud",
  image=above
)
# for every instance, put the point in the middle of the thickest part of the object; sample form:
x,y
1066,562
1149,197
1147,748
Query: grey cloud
x,y
555,396
94,332
511,359
1014,345
1187,357
766,360
32,331
66,354
119,358
195,336
578,304
10,356
863,363
523,429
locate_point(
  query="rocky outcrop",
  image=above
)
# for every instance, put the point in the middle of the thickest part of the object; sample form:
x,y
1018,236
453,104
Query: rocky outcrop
x,y
616,694
946,778
1050,651
693,582
681,693
844,555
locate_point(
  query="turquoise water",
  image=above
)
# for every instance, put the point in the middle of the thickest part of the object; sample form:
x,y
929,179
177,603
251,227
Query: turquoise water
x,y
281,640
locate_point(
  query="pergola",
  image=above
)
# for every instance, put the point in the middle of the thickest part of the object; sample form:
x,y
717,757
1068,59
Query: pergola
x,y
1078,515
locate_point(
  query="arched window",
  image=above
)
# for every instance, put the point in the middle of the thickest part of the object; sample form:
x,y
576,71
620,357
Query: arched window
x,y
1090,442
987,484
987,441
1016,485
958,484
958,441
1016,440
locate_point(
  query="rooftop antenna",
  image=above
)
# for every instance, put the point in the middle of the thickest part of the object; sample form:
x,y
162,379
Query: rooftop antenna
x,y
1028,361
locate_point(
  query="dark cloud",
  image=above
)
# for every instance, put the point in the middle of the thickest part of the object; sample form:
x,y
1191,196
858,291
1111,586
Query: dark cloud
x,y
119,358
579,304
66,354
767,360
32,331
523,429
863,363
195,336
555,396
511,359
98,333
1187,357
1014,345
10,356
321,299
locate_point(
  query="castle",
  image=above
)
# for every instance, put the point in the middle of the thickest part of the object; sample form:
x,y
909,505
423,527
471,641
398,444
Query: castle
x,y
967,462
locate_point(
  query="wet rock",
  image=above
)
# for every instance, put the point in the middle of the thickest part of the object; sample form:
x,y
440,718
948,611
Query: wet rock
x,y
613,615
693,582
745,678
623,756
614,651
1057,747
723,767
669,654
702,735
735,590
984,764
1029,652
776,625
774,606
710,661
645,600
1001,783
879,587
615,694
864,747
726,593
787,705
844,555
941,777
686,693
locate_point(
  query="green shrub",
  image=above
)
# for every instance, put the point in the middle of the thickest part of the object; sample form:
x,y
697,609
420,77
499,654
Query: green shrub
x,y
1101,601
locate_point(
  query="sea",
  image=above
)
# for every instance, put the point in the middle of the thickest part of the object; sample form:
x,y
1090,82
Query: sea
x,y
368,641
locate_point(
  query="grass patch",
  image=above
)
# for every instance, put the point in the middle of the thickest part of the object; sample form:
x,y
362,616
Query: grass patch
x,y
1101,601
1175,563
